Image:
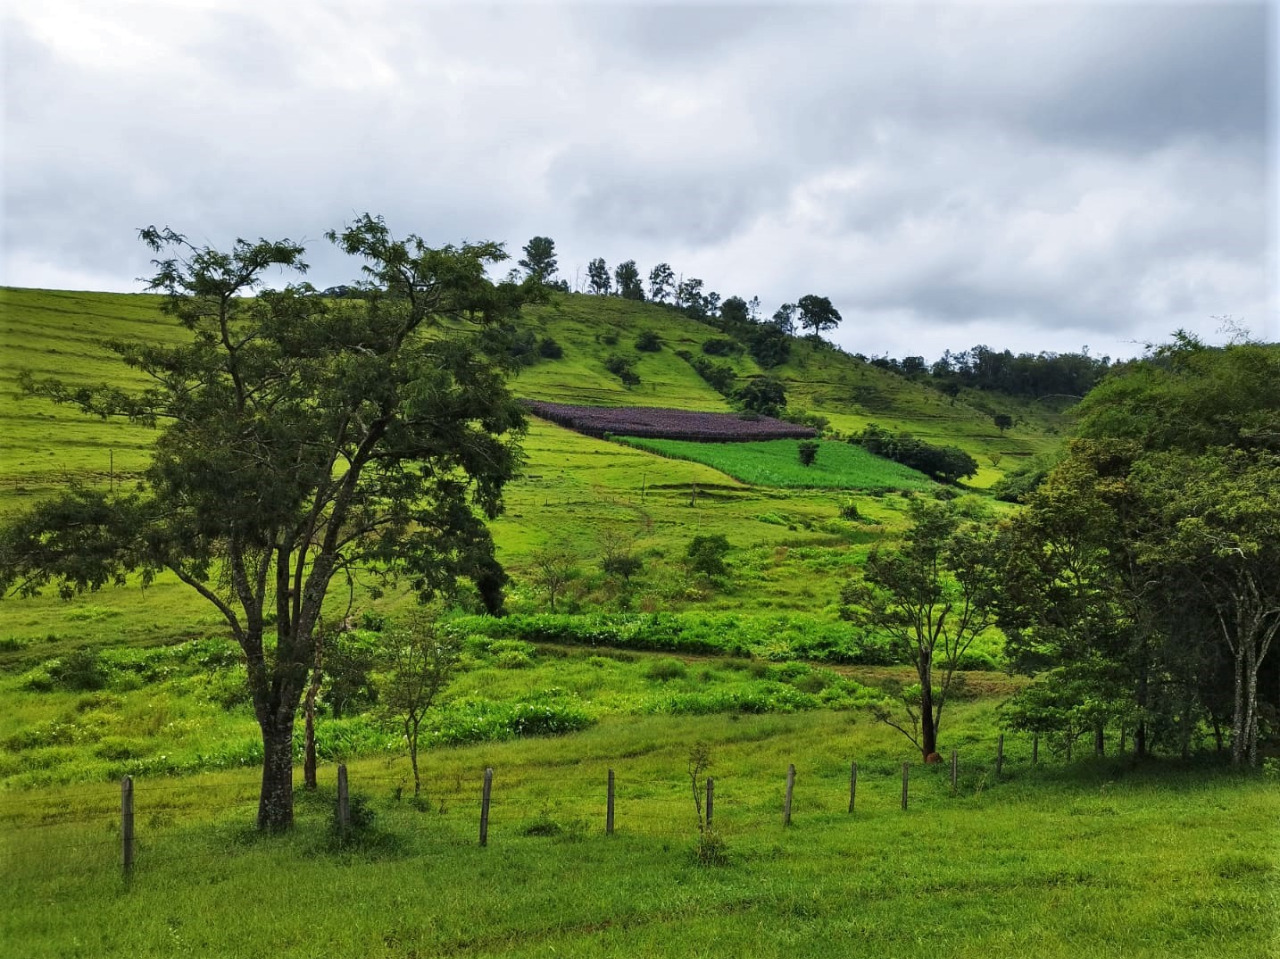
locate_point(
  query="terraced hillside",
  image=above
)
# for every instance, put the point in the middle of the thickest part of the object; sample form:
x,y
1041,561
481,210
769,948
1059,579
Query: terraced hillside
x,y
791,548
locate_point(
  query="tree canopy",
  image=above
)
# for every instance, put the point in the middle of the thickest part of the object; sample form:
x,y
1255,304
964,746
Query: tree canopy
x,y
299,440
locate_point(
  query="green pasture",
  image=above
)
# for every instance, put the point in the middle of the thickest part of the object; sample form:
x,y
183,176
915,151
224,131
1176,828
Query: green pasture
x,y
1097,859
777,463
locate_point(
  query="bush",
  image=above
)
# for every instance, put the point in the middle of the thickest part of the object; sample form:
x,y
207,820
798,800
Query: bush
x,y
808,450
511,659
705,554
721,346
623,368
849,511
648,342
549,349
946,464
663,670
763,395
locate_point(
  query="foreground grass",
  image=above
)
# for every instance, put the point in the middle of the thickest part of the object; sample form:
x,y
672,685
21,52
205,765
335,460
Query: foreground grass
x,y
1101,859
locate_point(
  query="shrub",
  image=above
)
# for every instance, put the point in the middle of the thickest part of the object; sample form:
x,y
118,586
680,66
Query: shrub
x,y
705,554
664,670
609,338
648,342
946,464
849,511
808,450
623,368
721,346
549,349
763,395
511,659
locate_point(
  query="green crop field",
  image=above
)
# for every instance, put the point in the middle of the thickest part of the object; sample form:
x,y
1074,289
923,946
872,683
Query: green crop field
x,y
777,463
1096,857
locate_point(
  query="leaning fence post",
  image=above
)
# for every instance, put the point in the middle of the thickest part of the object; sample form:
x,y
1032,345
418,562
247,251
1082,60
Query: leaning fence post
x,y
484,806
791,785
711,798
853,785
608,816
1000,754
905,767
126,822
955,769
344,801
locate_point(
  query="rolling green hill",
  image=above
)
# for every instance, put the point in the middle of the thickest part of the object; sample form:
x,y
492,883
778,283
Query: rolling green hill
x,y
575,489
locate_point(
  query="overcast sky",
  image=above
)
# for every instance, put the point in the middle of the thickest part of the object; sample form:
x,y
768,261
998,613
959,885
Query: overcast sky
x,y
1030,176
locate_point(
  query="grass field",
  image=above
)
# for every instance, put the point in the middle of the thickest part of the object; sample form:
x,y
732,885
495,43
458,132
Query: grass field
x,y
1097,860
1100,858
777,463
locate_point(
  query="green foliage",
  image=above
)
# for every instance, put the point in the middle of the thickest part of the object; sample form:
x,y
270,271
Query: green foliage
x,y
549,349
628,277
808,451
721,346
540,259
350,658
817,314
648,341
663,670
946,464
764,395
705,555
623,367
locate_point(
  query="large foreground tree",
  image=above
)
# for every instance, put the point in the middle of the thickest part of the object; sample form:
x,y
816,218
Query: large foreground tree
x,y
299,440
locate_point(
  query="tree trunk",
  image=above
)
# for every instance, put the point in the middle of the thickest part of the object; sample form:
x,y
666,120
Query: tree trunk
x,y
275,805
928,728
1099,740
413,759
1237,713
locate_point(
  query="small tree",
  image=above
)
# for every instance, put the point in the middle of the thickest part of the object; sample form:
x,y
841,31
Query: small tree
x,y
932,598
1003,421
628,279
817,314
598,275
617,555
808,450
540,259
662,283
705,554
418,660
554,567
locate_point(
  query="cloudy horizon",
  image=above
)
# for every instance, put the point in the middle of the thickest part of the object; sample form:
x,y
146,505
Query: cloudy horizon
x,y
1033,177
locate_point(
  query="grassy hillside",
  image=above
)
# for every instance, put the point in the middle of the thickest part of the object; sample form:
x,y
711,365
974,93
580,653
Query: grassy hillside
x,y
1087,859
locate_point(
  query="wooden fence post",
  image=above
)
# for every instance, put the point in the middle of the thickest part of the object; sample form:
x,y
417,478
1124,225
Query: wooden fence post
x,y
905,767
955,769
484,806
853,785
608,816
1035,749
711,799
344,801
126,823
1000,754
791,785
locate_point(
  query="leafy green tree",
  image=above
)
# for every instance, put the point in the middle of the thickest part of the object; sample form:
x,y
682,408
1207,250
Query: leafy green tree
x,y
817,314
690,298
733,311
662,283
598,276
784,318
299,439
1003,421
418,661
808,450
932,597
628,279
769,345
705,554
553,568
540,259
